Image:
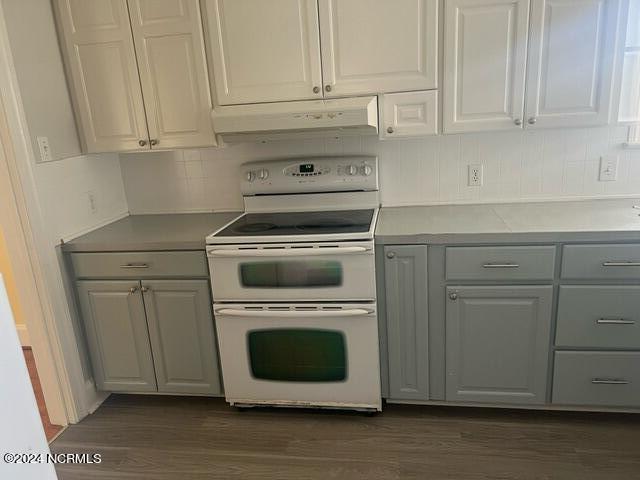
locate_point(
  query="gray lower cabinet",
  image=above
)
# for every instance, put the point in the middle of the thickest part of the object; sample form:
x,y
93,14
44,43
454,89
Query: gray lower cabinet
x,y
407,321
116,327
182,335
497,343
151,335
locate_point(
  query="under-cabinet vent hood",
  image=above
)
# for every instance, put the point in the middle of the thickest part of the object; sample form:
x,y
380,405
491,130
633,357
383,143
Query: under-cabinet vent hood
x,y
304,119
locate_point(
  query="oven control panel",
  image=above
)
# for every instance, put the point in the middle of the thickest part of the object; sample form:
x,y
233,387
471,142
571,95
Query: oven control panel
x,y
310,175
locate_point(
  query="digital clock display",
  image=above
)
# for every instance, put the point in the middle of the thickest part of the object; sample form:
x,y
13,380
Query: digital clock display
x,y
306,168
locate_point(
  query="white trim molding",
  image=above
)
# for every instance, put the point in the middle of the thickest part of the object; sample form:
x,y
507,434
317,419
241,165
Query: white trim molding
x,y
23,335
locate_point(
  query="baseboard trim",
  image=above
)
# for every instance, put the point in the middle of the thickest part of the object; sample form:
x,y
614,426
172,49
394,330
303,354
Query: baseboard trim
x,y
23,335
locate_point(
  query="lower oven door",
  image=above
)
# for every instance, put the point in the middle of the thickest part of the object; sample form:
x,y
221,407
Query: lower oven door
x,y
302,355
344,271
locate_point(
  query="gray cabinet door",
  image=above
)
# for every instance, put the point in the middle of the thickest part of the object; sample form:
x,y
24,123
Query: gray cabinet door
x,y
407,321
180,318
116,327
498,343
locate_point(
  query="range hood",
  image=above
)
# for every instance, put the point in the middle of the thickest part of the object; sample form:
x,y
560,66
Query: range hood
x,y
304,119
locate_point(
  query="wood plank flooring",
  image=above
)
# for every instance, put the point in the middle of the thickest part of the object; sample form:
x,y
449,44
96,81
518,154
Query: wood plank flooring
x,y
50,430
162,438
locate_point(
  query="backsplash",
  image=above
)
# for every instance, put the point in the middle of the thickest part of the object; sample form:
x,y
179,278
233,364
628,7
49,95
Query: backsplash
x,y
64,188
518,166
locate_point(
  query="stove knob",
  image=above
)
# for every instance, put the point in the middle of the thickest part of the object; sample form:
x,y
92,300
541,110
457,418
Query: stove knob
x,y
263,174
251,176
367,170
352,170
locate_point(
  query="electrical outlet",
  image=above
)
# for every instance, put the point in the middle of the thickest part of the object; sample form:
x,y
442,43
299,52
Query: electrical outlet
x,y
609,168
475,176
45,150
91,197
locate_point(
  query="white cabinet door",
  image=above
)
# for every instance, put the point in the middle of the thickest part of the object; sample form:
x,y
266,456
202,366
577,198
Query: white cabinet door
x,y
484,64
409,114
101,63
377,46
264,51
571,60
173,72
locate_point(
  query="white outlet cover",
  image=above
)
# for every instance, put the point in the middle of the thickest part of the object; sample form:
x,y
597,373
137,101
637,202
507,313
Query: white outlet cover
x,y
608,168
45,149
474,178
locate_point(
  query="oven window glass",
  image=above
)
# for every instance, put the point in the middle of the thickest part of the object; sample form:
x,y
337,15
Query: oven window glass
x,y
291,274
298,355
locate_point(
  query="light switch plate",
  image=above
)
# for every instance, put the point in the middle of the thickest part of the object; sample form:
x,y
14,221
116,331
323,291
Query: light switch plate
x,y
45,150
608,168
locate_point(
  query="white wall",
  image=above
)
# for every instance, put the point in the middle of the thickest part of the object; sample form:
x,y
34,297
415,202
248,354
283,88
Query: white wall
x,y
538,165
38,62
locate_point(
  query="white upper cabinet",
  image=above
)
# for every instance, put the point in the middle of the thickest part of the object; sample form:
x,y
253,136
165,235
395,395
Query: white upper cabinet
x,y
484,64
571,59
173,72
138,73
377,46
408,114
264,51
101,65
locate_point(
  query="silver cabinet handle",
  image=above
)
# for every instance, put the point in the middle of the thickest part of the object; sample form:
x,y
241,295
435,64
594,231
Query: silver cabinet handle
x,y
327,88
453,296
316,89
518,122
142,143
532,120
145,289
134,265
390,130
609,381
391,255
500,265
133,290
154,142
621,264
614,321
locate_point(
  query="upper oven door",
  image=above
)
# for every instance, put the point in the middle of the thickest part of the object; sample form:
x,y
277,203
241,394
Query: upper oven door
x,y
288,272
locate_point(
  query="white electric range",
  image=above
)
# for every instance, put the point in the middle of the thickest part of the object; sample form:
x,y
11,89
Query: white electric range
x,y
293,282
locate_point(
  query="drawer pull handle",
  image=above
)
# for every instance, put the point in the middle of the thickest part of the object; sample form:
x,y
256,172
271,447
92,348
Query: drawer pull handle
x,y
500,265
614,321
134,265
609,381
621,264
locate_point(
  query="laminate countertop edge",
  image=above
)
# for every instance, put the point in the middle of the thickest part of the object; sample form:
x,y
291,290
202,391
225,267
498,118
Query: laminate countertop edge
x,y
607,220
157,232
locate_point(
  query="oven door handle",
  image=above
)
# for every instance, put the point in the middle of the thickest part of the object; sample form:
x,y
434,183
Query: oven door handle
x,y
236,312
285,252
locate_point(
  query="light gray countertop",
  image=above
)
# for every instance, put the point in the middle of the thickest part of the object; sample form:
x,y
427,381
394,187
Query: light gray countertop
x,y
183,231
588,220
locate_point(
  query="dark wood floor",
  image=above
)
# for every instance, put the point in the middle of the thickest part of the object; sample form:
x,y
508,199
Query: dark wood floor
x,y
50,429
161,438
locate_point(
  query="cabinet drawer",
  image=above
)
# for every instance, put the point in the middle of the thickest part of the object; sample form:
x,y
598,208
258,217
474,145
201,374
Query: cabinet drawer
x,y
140,264
601,262
599,317
500,263
597,378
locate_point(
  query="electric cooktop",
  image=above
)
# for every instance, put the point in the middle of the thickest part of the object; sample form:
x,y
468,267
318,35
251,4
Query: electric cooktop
x,y
299,223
